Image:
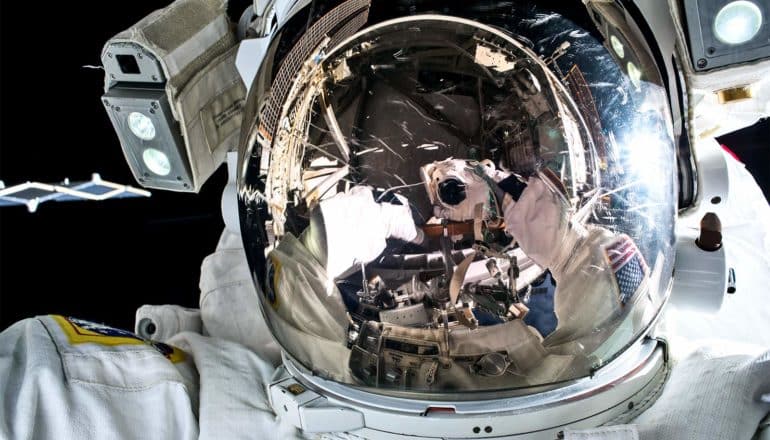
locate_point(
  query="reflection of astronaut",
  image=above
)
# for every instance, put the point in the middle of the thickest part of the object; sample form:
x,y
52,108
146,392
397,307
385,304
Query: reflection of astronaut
x,y
598,274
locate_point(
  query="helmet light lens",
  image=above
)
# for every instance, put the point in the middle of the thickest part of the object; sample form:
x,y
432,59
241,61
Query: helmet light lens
x,y
141,126
157,161
738,22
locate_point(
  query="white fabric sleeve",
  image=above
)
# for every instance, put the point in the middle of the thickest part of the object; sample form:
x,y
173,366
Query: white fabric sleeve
x,y
586,296
539,223
304,295
355,233
229,304
356,228
713,393
63,378
233,395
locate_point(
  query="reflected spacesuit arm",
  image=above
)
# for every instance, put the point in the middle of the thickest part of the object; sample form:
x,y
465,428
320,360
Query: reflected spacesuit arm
x,y
351,228
304,306
587,294
347,230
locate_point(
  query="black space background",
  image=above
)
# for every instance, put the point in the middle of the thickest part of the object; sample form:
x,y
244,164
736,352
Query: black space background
x,y
94,260
101,260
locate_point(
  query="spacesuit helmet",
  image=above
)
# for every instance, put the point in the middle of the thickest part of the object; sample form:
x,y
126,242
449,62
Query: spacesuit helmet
x,y
529,147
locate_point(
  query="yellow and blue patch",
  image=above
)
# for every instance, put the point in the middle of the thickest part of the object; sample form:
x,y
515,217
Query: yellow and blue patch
x,y
273,276
85,332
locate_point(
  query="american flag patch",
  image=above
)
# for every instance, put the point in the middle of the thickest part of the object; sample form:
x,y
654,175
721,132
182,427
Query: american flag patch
x,y
627,265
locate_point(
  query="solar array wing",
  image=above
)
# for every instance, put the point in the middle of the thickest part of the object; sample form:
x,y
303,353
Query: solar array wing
x,y
32,194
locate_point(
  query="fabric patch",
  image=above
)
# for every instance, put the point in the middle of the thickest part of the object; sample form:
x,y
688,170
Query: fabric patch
x,y
83,332
628,266
619,432
273,274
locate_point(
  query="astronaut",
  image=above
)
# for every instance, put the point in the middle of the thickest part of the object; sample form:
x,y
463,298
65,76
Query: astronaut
x,y
277,351
71,379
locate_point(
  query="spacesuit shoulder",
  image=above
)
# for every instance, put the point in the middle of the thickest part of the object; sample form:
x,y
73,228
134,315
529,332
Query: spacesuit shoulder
x,y
300,291
62,377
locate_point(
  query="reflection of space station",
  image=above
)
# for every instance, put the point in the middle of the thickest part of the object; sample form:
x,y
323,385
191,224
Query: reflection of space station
x,y
341,23
606,211
470,112
433,116
581,93
416,317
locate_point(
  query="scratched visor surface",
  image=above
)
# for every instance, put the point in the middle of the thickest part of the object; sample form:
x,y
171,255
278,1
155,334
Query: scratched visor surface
x,y
447,115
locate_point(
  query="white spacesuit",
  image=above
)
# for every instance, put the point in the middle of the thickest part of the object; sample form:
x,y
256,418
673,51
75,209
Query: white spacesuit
x,y
334,316
66,378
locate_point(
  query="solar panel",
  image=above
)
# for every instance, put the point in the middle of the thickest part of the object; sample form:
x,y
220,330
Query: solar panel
x,y
33,194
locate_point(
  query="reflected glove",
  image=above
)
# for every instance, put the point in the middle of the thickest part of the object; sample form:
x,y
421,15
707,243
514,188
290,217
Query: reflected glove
x,y
538,221
356,227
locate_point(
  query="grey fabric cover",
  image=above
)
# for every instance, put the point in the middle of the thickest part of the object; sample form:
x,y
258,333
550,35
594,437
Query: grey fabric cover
x,y
195,44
